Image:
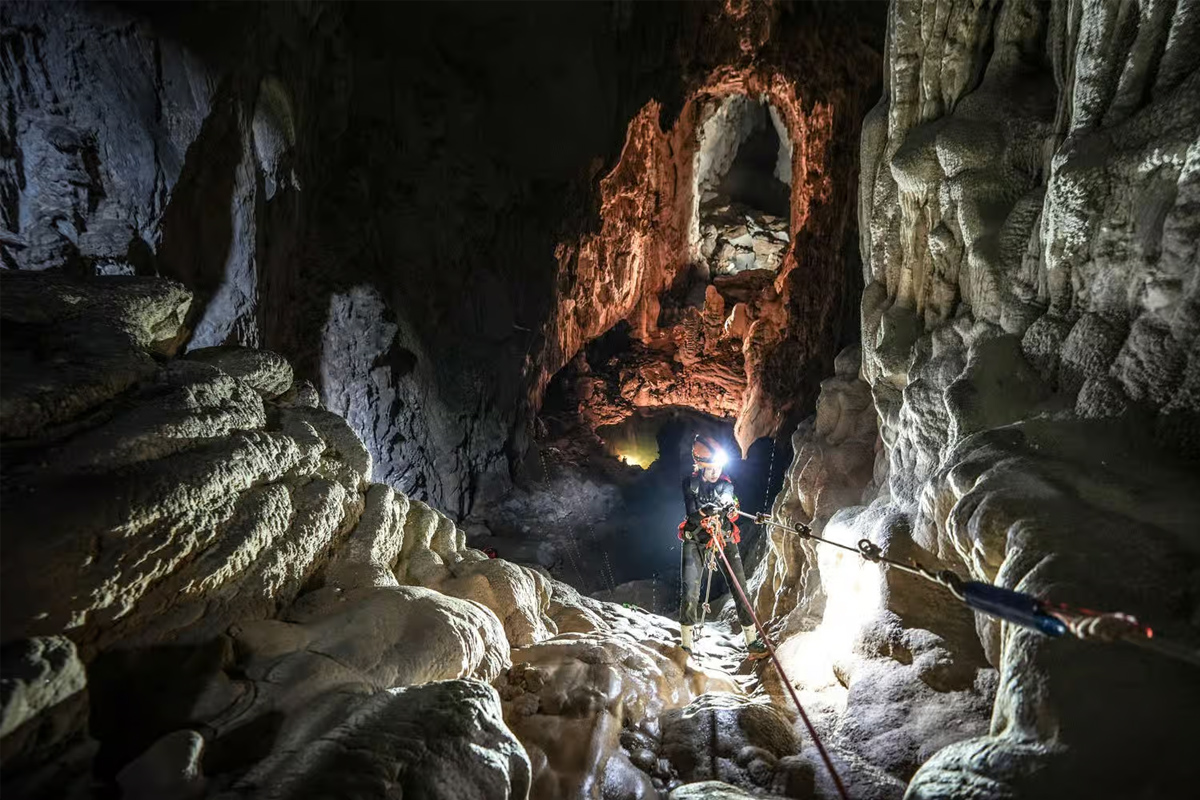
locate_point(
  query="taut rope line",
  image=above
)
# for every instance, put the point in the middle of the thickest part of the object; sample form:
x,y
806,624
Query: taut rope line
x,y
812,731
1051,619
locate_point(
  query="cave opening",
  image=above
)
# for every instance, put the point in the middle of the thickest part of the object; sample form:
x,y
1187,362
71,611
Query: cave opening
x,y
743,175
602,511
603,498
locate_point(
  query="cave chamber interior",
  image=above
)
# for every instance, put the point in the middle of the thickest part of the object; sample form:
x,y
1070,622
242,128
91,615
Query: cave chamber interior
x,y
352,353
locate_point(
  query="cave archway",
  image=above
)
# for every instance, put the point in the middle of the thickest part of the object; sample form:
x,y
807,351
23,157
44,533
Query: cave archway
x,y
660,339
742,174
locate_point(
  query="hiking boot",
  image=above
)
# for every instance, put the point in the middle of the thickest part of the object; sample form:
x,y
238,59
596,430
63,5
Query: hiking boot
x,y
757,649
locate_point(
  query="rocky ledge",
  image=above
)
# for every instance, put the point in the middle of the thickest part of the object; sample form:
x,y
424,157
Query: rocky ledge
x,y
205,596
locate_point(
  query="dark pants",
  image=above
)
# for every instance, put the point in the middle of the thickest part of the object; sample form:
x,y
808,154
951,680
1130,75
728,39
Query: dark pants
x,y
694,578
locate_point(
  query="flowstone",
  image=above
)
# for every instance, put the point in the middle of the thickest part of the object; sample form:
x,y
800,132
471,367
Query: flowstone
x,y
249,616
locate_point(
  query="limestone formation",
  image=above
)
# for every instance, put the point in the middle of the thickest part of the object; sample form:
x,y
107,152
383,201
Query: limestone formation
x,y
735,240
1025,351
318,630
589,704
754,739
171,767
43,700
648,264
440,740
235,572
268,373
205,512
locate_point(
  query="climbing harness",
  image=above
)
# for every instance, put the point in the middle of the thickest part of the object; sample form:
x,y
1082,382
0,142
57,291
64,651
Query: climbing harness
x,y
762,633
712,526
1051,619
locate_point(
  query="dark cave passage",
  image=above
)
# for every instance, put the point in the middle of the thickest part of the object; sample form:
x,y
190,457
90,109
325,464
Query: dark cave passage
x,y
603,509
753,178
602,504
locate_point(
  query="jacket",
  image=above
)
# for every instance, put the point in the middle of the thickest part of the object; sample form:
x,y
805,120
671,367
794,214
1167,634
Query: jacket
x,y
698,493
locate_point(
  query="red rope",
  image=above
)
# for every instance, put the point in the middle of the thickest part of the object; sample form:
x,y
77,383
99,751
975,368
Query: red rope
x,y
733,581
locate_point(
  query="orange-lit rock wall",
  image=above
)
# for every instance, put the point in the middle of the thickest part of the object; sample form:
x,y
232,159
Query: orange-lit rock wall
x,y
767,362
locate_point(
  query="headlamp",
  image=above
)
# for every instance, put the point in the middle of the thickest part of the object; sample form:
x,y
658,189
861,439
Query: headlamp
x,y
719,459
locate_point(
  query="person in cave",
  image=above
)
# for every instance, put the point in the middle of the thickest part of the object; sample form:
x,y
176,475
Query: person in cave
x,y
710,502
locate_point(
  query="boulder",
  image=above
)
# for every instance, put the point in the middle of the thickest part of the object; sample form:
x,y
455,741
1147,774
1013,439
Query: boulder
x,y
43,700
729,738
265,372
443,741
71,347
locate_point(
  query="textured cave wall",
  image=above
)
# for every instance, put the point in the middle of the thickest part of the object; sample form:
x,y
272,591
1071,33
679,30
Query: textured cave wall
x,y
419,154
815,68
1027,224
1054,203
481,179
204,594
88,169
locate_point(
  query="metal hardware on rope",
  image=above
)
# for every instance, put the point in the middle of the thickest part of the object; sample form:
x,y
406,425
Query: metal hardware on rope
x,y
1016,607
812,731
871,552
711,560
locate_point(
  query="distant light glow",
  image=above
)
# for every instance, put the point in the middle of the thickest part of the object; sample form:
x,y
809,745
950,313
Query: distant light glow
x,y
631,460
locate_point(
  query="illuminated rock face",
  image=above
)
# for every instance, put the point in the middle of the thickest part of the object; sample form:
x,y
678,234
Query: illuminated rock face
x,y
1029,339
649,262
309,181
229,606
590,704
492,241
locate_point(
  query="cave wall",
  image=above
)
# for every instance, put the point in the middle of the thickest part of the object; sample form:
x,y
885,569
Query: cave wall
x,y
428,156
204,594
483,180
1022,411
1046,188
